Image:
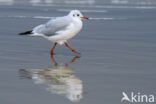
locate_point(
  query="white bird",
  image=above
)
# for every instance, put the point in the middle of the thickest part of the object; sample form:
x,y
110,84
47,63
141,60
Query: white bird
x,y
60,29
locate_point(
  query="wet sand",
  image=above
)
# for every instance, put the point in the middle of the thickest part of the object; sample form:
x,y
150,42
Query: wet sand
x,y
118,54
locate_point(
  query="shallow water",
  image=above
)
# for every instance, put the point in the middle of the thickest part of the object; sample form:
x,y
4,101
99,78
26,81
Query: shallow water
x,y
118,50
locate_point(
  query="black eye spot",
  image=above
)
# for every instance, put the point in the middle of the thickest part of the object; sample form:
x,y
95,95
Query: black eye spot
x,y
73,15
78,15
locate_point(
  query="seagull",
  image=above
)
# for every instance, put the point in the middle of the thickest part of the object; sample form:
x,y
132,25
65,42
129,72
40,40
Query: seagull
x,y
59,29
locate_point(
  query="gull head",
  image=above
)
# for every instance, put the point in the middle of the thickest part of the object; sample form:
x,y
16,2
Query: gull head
x,y
76,14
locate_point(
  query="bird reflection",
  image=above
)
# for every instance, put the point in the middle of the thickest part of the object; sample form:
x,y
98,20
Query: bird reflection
x,y
59,79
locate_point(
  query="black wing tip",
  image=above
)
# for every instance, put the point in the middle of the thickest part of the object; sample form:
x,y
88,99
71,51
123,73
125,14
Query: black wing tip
x,y
26,33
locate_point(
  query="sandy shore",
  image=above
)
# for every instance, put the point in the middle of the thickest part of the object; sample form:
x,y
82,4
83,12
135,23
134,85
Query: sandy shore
x,y
118,50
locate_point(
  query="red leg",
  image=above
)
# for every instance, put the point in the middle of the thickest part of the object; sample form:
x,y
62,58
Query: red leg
x,y
52,49
71,48
53,60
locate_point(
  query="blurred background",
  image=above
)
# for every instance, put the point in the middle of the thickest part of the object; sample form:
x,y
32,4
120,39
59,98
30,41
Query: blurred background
x,y
89,2
117,43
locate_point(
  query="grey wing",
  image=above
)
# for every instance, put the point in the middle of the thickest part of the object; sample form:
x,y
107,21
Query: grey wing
x,y
52,26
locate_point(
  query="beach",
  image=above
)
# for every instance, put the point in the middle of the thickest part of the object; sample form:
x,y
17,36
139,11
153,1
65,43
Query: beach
x,y
118,54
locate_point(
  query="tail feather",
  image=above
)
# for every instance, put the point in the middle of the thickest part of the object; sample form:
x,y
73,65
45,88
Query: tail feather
x,y
26,33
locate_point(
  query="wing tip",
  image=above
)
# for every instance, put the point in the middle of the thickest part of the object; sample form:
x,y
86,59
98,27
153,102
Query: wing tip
x,y
26,32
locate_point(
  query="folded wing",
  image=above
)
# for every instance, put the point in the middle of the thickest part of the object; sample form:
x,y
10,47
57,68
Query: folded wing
x,y
52,26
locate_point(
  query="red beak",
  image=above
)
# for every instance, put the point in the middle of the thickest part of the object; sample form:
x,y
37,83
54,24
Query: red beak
x,y
84,17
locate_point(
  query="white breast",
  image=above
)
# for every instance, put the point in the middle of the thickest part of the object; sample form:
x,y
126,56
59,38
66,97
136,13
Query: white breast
x,y
68,33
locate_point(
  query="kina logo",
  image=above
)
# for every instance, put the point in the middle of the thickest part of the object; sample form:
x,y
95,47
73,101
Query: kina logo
x,y
137,97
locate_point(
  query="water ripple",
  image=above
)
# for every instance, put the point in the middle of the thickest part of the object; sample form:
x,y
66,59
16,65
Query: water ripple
x,y
46,17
